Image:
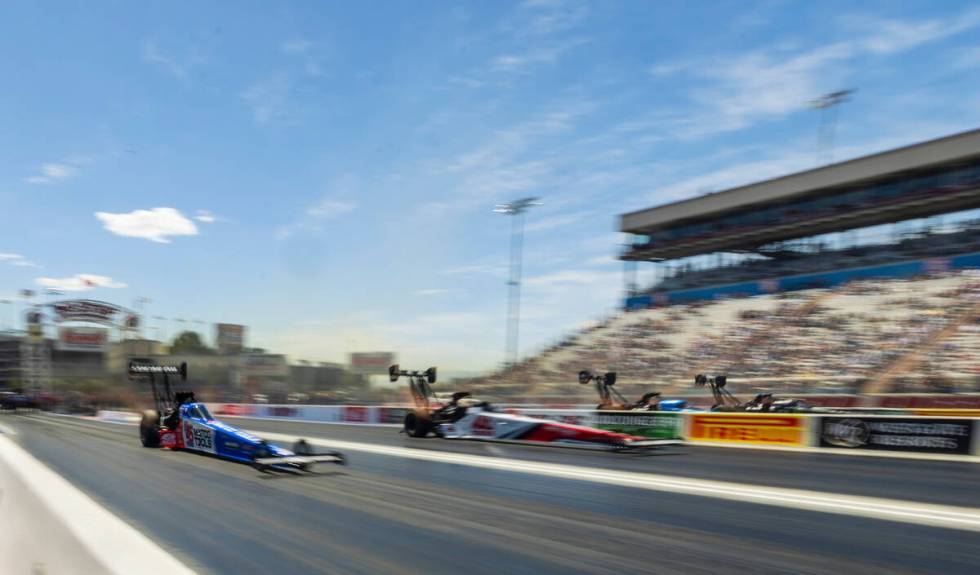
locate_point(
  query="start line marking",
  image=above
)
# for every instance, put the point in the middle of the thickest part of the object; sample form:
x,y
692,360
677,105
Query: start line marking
x,y
932,515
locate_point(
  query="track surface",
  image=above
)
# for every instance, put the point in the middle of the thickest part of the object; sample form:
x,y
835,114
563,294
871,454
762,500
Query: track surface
x,y
386,514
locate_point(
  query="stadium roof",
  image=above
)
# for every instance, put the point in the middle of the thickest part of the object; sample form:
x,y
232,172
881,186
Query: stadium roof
x,y
923,157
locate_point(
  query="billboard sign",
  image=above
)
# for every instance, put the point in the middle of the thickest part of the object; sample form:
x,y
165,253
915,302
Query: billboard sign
x,y
372,363
91,339
85,310
897,434
229,337
642,423
266,365
748,428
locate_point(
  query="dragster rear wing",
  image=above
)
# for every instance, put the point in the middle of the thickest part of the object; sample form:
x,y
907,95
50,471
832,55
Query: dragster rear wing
x,y
394,372
420,383
138,368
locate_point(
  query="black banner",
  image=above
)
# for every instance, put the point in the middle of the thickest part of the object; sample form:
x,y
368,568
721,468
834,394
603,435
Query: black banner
x,y
924,435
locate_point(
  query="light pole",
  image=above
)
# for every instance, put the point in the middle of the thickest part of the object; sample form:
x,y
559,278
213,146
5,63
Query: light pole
x,y
827,105
515,209
138,303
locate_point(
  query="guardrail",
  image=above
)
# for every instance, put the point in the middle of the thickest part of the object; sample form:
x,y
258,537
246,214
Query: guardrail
x,y
932,431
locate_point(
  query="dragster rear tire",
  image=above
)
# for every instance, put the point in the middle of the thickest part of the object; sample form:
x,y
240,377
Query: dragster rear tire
x,y
417,424
150,428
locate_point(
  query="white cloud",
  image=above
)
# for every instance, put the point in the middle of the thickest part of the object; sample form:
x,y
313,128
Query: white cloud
x,y
177,67
17,260
156,224
966,58
298,46
740,90
205,216
328,208
306,51
52,172
476,269
604,261
548,17
550,223
522,61
433,292
887,36
268,99
80,282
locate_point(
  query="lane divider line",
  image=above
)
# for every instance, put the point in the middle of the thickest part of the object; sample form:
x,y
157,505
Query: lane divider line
x,y
933,515
113,542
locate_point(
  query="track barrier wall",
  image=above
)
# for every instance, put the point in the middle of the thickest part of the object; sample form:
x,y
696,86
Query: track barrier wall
x,y
935,431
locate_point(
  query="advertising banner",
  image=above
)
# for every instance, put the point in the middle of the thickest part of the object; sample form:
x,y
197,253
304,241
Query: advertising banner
x,y
355,414
897,434
237,409
229,337
91,339
766,429
642,423
372,363
85,310
266,365
393,414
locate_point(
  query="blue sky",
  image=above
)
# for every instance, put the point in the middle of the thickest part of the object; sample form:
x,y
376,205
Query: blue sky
x,y
324,172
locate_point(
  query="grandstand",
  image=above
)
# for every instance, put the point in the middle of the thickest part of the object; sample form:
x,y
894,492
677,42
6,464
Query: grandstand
x,y
780,234
858,277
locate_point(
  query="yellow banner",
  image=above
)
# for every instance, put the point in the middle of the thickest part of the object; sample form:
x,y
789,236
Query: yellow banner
x,y
754,428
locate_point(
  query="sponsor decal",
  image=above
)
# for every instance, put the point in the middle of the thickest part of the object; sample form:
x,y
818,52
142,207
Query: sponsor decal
x,y
198,437
897,434
355,414
281,411
188,435
641,423
748,428
483,426
203,438
168,440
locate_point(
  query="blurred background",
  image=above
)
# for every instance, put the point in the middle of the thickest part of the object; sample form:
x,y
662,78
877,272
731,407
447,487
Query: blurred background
x,y
511,191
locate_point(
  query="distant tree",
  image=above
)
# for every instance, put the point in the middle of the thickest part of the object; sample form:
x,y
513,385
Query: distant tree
x,y
189,342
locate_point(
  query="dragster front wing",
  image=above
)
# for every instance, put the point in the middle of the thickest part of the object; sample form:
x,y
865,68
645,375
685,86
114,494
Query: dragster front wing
x,y
337,458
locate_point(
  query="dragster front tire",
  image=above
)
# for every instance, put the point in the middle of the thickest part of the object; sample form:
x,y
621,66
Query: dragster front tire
x,y
417,425
150,428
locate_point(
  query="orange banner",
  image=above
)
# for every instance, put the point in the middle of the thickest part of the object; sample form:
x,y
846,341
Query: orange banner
x,y
748,428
